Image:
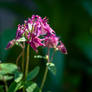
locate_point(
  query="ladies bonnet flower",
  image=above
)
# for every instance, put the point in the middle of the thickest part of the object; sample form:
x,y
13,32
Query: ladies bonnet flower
x,y
51,41
35,42
37,32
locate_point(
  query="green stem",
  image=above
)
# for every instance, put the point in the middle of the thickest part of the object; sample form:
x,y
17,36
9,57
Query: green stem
x,y
27,62
44,78
45,74
23,62
6,86
52,56
18,58
23,52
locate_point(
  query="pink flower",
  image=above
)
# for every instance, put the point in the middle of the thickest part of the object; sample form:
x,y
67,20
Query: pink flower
x,y
37,32
62,48
38,26
51,41
45,28
35,42
20,31
10,44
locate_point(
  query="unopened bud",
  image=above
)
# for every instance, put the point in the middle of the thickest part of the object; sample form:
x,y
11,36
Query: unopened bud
x,y
38,56
10,44
46,57
56,49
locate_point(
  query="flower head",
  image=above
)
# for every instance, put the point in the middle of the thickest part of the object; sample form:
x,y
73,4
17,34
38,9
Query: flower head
x,y
51,41
35,42
37,32
20,31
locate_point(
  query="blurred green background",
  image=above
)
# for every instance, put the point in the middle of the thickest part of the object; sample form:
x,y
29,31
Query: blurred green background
x,y
72,21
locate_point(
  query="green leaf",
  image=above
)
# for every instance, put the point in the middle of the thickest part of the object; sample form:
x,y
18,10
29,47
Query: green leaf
x,y
52,67
19,85
8,68
31,87
15,86
18,76
5,77
33,73
12,87
23,39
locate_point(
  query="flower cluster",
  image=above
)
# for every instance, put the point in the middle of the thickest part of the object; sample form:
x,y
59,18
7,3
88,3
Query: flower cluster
x,y
37,32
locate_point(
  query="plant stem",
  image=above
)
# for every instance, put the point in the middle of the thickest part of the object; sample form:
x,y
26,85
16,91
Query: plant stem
x,y
23,61
18,58
6,86
23,57
45,74
52,55
48,55
27,62
44,78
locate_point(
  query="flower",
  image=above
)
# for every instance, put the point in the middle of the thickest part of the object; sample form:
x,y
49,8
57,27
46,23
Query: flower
x,y
62,48
20,31
35,42
51,41
10,44
38,26
37,32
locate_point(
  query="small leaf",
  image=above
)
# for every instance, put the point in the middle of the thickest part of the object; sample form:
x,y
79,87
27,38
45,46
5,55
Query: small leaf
x,y
23,39
18,76
52,67
8,68
14,87
5,77
16,43
33,73
31,87
19,85
38,56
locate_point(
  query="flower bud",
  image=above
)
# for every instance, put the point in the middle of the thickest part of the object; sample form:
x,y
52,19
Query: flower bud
x,y
62,48
10,44
46,57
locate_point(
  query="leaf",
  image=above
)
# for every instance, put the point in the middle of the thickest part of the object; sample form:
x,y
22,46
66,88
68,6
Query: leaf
x,y
7,68
15,86
18,76
33,73
23,39
52,67
31,87
5,77
19,85
12,87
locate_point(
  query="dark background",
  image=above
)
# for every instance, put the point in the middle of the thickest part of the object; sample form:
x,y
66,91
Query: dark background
x,y
72,21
